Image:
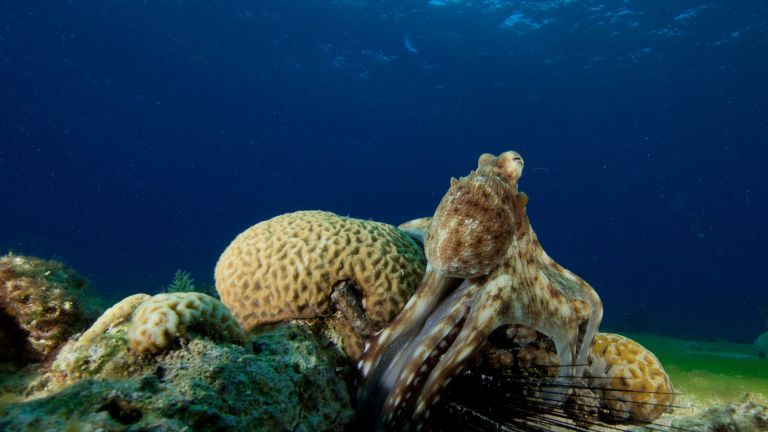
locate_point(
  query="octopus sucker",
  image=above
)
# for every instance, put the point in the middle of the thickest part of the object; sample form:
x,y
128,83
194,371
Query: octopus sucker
x,y
486,269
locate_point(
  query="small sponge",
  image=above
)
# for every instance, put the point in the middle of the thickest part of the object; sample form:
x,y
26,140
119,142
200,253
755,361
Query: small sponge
x,y
159,321
633,383
288,266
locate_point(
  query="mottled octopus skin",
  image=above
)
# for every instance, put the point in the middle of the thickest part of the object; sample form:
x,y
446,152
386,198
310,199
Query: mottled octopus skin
x,y
289,266
406,365
472,227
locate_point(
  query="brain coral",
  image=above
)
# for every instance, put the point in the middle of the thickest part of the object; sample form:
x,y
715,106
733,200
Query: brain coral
x,y
159,321
633,383
288,267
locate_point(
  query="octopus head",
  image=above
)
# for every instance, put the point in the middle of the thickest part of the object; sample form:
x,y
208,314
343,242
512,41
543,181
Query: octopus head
x,y
473,225
508,166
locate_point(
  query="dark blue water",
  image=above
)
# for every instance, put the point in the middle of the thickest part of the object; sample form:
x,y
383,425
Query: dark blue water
x,y
137,138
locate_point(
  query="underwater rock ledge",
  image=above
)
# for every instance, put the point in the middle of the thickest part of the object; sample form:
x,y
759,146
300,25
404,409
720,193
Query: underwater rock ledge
x,y
42,304
286,377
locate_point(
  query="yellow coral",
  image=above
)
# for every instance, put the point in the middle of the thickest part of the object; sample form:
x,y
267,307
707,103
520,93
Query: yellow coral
x,y
633,383
111,317
287,267
159,321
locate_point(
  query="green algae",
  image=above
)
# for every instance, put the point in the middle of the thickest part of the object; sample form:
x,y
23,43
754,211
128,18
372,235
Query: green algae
x,y
707,372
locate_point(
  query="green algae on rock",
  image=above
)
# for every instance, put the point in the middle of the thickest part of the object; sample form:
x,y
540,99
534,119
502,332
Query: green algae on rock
x,y
41,306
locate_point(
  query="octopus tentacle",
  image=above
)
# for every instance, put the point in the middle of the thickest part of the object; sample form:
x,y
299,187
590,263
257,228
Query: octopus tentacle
x,y
382,347
375,398
590,310
405,377
480,323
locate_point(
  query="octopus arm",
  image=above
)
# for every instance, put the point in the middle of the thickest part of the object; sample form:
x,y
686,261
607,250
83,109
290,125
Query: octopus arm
x,y
586,303
480,323
388,348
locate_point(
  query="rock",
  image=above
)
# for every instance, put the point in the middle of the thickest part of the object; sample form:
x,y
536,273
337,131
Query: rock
x,y
286,378
42,304
761,345
745,416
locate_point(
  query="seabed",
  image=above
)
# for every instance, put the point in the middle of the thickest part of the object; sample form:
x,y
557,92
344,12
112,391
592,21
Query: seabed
x,y
705,374
709,374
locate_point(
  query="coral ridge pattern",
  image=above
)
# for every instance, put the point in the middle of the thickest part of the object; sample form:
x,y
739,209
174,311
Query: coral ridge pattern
x,y
288,267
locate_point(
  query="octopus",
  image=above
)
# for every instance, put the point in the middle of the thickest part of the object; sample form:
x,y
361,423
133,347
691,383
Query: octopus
x,y
485,269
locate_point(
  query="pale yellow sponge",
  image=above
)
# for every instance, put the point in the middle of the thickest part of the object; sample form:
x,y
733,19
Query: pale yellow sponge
x,y
287,267
633,383
162,319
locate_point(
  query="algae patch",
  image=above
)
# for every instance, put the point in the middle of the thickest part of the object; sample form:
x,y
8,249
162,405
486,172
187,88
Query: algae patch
x,y
711,372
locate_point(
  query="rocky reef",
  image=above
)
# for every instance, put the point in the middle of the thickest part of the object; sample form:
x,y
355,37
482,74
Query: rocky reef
x,y
173,361
484,329
287,377
41,306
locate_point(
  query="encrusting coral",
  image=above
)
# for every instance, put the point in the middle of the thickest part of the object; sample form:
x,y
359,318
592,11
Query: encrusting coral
x,y
41,305
162,319
293,265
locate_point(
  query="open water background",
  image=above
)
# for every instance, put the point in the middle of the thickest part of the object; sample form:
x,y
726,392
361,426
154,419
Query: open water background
x,y
139,137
